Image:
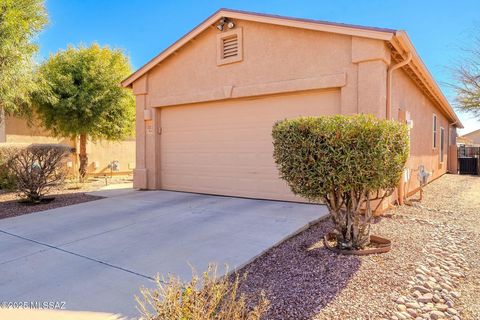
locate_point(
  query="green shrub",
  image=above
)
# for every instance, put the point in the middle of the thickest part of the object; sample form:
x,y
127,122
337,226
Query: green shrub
x,y
208,298
345,162
37,168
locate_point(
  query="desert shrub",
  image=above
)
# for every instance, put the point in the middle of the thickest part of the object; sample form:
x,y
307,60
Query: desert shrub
x,y
345,162
207,298
37,169
7,178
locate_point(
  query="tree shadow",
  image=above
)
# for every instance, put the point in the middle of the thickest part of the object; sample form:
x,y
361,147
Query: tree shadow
x,y
300,276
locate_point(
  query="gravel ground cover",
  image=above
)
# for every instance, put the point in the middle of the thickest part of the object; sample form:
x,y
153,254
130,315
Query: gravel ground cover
x,y
72,193
432,271
10,205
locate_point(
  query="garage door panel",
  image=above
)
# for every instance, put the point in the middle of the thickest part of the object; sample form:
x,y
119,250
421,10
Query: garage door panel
x,y
226,147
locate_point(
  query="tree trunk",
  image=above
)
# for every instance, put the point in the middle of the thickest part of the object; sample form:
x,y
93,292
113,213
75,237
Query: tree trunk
x,y
83,157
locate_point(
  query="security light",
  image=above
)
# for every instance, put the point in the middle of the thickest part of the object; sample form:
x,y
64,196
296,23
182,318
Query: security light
x,y
225,21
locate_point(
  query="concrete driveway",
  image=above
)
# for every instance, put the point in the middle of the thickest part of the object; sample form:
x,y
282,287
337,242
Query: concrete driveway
x,y
94,256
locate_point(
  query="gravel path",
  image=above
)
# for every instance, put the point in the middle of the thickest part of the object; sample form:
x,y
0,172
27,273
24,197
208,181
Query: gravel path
x,y
432,271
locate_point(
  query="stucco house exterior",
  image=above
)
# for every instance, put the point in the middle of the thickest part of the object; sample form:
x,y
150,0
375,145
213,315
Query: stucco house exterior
x,y
206,105
470,139
100,153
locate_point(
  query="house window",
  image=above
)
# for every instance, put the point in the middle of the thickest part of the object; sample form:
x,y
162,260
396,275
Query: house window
x,y
442,143
230,47
434,131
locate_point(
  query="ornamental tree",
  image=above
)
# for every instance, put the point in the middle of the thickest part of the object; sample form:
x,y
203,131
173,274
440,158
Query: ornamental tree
x,y
80,96
345,162
20,23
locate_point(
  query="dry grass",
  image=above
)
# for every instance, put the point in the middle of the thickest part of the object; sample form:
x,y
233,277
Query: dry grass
x,y
207,298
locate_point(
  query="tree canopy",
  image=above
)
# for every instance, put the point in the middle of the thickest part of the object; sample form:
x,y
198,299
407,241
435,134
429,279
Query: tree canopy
x,y
468,77
80,93
20,23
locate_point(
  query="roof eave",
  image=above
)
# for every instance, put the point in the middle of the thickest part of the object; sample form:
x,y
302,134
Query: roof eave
x,y
402,42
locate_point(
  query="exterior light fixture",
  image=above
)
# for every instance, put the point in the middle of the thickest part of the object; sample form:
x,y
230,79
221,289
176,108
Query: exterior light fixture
x,y
225,21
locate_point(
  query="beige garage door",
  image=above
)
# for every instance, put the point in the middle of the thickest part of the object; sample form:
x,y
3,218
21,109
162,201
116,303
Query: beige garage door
x,y
226,148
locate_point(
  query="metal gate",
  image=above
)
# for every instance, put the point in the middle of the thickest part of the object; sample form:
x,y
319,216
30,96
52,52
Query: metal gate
x,y
469,160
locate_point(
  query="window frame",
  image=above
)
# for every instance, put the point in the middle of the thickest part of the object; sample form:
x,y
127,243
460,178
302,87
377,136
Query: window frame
x,y
434,131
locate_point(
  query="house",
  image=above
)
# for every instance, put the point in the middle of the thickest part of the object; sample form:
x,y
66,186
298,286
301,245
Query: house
x,y
101,154
470,139
206,105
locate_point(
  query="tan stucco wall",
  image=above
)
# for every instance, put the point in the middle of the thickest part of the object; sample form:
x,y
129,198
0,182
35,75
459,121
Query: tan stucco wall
x,y
275,59
104,152
267,57
408,97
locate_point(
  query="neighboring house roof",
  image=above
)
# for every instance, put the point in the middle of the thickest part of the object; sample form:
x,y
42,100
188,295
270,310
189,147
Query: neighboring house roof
x,y
397,39
464,140
473,134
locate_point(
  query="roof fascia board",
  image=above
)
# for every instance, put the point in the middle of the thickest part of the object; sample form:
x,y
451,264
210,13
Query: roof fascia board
x,y
317,26
407,46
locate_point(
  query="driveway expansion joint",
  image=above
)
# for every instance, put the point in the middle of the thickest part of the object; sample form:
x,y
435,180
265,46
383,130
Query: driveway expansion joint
x,y
76,254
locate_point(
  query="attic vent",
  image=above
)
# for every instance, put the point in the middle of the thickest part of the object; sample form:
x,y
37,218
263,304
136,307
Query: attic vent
x,y
229,47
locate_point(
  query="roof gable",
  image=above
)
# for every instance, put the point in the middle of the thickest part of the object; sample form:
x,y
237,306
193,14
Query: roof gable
x,y
397,39
340,28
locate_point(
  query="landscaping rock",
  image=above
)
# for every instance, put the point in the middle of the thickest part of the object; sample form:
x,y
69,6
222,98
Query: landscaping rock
x,y
441,307
452,311
421,289
412,305
436,315
427,297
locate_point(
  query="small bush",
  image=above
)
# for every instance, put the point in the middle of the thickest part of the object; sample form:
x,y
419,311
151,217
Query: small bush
x,y
345,162
7,178
37,168
208,298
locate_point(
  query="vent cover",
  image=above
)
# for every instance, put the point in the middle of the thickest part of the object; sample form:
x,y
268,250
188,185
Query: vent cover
x,y
230,47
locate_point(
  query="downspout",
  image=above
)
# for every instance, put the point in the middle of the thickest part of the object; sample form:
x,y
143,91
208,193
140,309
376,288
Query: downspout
x,y
388,115
449,147
389,83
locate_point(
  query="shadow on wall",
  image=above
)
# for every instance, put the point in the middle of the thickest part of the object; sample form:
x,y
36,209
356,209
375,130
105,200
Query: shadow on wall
x,y
300,276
